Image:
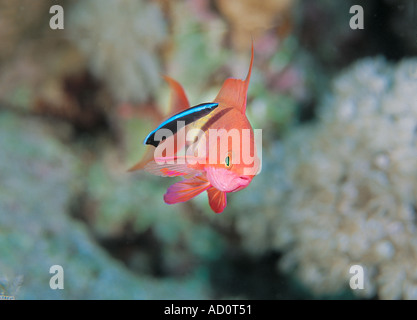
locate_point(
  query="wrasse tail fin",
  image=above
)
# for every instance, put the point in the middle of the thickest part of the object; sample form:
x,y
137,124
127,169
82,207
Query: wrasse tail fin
x,y
185,190
234,91
217,199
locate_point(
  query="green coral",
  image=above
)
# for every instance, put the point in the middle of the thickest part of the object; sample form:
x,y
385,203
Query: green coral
x,y
40,176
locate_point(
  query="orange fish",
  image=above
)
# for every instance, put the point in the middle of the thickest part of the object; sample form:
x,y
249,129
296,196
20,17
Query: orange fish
x,y
214,149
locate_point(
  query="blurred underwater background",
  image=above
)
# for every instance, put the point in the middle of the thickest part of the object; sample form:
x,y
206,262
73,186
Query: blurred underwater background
x,y
338,186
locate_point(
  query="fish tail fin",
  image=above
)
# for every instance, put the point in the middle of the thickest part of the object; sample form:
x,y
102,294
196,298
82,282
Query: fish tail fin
x,y
234,91
185,190
217,199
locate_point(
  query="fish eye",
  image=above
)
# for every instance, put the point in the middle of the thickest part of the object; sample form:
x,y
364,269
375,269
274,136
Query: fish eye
x,y
227,162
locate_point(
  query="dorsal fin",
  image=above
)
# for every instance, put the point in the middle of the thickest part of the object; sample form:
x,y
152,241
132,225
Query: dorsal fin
x,y
179,101
234,91
186,189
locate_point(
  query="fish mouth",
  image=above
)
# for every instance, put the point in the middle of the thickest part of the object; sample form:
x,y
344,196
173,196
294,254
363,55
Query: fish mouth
x,y
243,182
226,180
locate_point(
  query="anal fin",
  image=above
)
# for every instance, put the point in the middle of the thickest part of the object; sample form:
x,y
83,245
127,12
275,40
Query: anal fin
x,y
217,199
185,190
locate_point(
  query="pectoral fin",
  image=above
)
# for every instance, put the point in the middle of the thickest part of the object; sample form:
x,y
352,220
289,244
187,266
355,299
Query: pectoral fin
x,y
169,170
186,189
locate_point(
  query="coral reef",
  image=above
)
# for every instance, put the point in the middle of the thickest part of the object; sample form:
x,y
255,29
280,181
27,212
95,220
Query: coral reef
x,y
126,56
40,176
88,214
337,186
33,58
343,191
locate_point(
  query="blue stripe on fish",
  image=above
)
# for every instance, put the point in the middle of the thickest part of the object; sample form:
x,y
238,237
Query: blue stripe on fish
x,y
188,116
